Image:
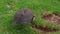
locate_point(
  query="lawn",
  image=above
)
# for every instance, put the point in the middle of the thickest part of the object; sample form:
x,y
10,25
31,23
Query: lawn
x,y
9,7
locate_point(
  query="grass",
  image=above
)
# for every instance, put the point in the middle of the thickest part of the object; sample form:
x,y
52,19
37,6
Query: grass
x,y
9,7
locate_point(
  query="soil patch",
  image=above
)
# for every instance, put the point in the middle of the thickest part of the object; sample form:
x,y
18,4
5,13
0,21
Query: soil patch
x,y
54,18
44,29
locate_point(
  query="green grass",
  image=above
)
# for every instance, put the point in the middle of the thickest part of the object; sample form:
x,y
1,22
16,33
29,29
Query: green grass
x,y
37,6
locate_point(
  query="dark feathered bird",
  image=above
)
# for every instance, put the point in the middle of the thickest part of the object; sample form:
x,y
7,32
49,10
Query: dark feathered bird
x,y
23,16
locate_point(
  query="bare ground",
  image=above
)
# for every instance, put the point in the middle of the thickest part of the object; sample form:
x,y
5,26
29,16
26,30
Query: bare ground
x,y
54,18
